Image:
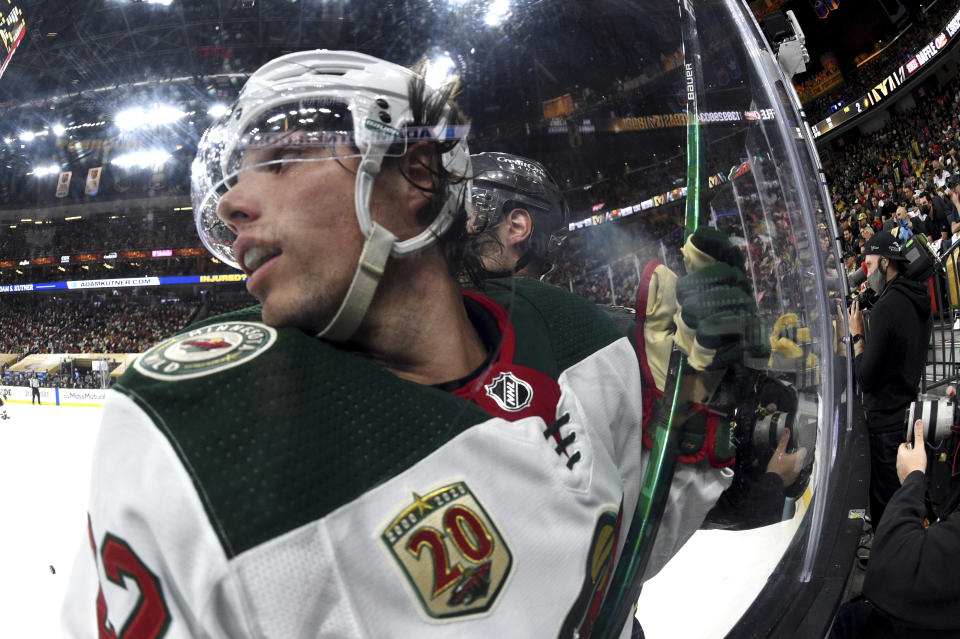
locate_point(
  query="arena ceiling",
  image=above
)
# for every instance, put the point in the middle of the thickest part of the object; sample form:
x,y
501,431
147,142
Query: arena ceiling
x,y
81,62
70,47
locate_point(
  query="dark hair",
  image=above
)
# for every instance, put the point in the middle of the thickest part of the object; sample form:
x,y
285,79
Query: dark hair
x,y
428,107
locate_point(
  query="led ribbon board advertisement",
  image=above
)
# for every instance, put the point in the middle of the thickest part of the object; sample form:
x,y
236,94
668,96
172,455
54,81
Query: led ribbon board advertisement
x,y
125,282
892,82
11,32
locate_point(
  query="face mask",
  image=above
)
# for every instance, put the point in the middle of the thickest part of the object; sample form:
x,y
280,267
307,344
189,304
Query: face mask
x,y
877,280
925,209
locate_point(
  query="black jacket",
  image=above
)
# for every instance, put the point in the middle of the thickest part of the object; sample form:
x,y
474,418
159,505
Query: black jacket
x,y
913,571
894,353
941,220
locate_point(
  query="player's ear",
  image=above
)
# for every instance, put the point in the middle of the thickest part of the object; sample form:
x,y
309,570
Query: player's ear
x,y
519,225
420,165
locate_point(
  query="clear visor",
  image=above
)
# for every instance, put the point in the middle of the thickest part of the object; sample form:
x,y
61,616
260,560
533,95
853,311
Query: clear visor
x,y
295,132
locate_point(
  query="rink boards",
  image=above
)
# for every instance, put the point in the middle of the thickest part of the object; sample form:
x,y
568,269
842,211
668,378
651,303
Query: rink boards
x,y
90,397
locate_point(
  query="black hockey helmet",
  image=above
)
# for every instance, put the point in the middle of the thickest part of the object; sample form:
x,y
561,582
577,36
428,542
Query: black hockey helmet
x,y
502,182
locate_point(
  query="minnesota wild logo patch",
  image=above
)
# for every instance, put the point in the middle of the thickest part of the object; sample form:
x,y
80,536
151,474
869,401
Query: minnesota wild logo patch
x,y
450,552
206,350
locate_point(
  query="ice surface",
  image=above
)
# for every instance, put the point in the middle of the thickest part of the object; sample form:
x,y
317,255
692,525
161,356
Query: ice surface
x,y
45,460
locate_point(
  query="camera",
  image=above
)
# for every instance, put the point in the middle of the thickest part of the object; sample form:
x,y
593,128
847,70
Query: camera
x,y
866,298
938,417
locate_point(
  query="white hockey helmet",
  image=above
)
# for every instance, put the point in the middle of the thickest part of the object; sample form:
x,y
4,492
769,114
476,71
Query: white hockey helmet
x,y
327,99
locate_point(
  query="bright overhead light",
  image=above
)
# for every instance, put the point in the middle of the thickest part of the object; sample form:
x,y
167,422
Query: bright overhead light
x,y
50,169
130,119
59,129
439,71
8,140
27,136
497,12
138,116
216,110
141,159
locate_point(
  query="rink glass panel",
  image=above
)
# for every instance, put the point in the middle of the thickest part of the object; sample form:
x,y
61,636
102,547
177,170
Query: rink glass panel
x,y
596,92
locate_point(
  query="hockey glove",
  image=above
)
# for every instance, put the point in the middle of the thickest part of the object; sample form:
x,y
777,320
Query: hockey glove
x,y
718,322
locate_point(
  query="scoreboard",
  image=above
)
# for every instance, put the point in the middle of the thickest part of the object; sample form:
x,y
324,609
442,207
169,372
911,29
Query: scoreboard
x,y
12,28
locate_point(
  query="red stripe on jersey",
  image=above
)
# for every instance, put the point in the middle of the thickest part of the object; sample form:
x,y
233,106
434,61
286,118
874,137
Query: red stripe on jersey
x,y
481,390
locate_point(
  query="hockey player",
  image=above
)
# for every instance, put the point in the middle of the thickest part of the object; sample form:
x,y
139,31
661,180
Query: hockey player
x,y
370,452
518,214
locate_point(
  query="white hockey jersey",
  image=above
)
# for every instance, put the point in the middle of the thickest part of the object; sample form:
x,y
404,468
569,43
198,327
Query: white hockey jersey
x,y
258,482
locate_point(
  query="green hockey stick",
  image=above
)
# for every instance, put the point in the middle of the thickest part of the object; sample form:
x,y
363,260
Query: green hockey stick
x,y
626,583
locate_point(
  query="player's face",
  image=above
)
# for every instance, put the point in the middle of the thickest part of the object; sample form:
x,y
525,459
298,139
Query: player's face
x,y
298,238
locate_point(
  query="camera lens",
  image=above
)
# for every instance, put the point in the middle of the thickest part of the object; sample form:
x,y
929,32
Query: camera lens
x,y
937,416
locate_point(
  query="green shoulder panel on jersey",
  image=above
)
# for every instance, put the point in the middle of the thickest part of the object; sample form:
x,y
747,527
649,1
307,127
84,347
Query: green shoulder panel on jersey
x,y
295,433
576,326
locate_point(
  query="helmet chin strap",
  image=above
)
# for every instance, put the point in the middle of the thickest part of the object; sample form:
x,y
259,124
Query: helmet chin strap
x,y
379,245
373,259
376,251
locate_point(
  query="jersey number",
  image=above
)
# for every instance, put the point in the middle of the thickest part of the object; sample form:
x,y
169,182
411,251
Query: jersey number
x,y
150,617
469,536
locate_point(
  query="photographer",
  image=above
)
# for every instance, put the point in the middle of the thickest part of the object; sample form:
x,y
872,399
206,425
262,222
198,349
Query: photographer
x,y
888,363
911,586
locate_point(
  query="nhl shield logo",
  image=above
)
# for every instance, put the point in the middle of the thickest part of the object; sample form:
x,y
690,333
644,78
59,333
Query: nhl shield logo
x,y
450,552
510,392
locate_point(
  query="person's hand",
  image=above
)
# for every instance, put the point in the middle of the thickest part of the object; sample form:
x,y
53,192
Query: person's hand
x,y
911,457
855,319
786,465
718,322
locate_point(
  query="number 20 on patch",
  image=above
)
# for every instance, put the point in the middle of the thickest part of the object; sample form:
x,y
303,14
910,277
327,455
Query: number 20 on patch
x,y
449,551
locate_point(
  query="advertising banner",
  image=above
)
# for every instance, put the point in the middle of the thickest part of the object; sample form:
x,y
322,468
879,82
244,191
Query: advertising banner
x,y
82,396
130,281
12,28
890,84
22,395
93,397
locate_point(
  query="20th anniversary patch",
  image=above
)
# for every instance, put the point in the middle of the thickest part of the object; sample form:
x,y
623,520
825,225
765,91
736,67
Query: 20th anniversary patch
x,y
206,350
450,552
